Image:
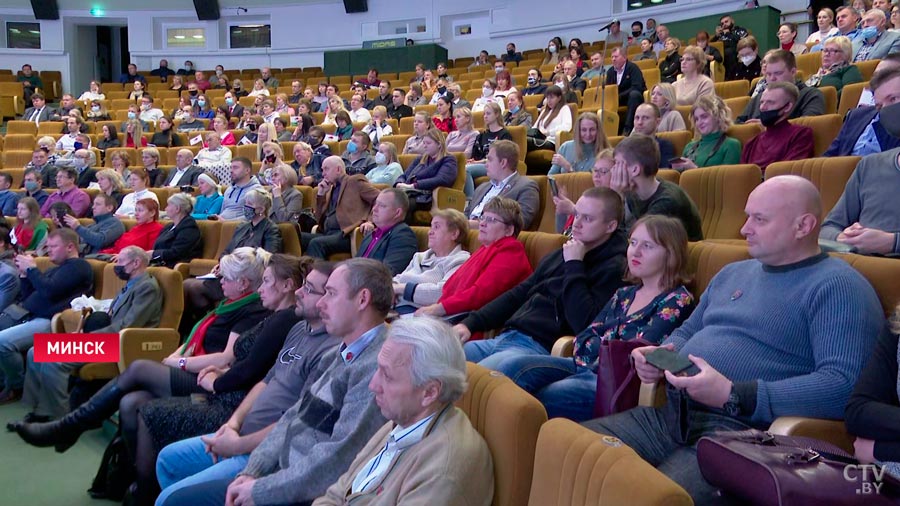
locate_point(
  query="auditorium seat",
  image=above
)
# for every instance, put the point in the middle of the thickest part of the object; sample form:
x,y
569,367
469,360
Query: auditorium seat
x,y
825,129
21,127
132,154
732,89
850,97
14,159
678,138
51,128
575,466
829,175
744,132
720,193
867,68
509,420
737,106
19,142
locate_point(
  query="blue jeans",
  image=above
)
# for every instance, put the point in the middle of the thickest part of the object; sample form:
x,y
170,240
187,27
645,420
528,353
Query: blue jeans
x,y
185,464
666,438
565,389
496,353
473,170
15,341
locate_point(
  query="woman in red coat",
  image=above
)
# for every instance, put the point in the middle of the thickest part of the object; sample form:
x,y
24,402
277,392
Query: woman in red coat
x,y
498,265
144,234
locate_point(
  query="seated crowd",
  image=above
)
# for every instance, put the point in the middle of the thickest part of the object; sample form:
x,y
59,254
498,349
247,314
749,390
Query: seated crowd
x,y
331,377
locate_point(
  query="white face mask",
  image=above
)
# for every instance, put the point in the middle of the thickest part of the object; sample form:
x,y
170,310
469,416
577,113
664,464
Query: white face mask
x,y
747,60
487,92
380,159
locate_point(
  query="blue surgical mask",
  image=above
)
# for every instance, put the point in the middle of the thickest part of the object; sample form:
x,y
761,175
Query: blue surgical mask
x,y
351,147
532,81
229,101
78,145
869,32
131,115
95,108
201,103
31,186
514,109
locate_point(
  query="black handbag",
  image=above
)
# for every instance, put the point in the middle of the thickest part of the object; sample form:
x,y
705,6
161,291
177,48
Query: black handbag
x,y
116,473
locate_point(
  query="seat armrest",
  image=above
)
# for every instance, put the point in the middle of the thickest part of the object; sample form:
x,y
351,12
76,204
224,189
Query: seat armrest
x,y
199,267
98,371
65,321
448,198
563,347
184,269
832,431
149,344
652,395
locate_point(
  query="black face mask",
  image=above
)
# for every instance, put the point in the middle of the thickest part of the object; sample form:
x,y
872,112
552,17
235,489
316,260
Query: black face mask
x,y
314,141
270,158
251,127
636,33
120,272
511,52
769,118
890,119
442,89
193,93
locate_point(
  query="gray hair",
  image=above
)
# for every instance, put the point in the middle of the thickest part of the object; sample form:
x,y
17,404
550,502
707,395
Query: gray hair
x,y
436,354
92,158
135,253
247,263
183,202
374,276
260,196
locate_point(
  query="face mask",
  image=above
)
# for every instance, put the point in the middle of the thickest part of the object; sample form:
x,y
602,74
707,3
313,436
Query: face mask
x,y
514,109
532,81
31,186
560,83
270,158
487,92
251,127
551,48
380,159
869,32
78,163
635,33
131,115
315,141
186,118
201,103
145,107
229,101
351,148
193,93
442,89
747,60
249,213
497,70
78,145
95,108
218,72
188,67
891,120
237,87
120,272
769,118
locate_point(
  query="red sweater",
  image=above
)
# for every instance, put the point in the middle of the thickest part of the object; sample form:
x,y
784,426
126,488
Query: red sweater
x,y
488,273
444,125
784,141
142,235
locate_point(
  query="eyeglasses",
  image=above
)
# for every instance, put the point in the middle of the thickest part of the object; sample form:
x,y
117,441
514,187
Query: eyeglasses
x,y
602,172
309,290
490,219
832,51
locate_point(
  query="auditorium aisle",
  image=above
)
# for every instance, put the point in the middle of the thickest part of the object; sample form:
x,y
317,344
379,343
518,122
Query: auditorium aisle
x,y
32,476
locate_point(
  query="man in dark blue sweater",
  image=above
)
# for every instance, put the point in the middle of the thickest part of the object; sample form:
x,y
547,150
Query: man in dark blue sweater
x,y
809,322
42,295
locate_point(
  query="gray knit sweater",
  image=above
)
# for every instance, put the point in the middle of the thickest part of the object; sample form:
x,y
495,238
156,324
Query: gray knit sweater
x,y
426,274
316,439
800,332
869,198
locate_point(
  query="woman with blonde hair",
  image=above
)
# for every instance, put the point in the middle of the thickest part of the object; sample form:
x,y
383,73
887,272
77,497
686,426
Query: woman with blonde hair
x,y
150,159
836,69
387,167
30,231
694,83
93,93
269,154
825,22
97,112
434,168
462,140
711,117
134,134
220,126
111,183
259,88
335,105
378,126
578,155
287,202
282,106
663,96
670,66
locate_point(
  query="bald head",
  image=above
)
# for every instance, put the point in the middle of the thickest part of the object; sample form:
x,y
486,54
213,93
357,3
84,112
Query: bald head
x,y
784,214
333,169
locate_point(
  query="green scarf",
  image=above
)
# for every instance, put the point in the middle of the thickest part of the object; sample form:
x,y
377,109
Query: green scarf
x,y
194,345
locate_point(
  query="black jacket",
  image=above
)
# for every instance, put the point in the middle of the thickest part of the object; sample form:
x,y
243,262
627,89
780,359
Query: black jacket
x,y
178,243
86,177
632,79
559,298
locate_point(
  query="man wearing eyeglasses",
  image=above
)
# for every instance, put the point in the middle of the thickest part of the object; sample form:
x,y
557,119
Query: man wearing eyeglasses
x,y
501,166
224,454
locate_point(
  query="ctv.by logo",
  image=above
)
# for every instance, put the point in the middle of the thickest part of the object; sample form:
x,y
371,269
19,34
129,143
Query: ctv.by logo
x,y
869,476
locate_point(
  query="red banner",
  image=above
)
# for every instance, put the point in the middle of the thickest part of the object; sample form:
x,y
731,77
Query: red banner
x,y
76,347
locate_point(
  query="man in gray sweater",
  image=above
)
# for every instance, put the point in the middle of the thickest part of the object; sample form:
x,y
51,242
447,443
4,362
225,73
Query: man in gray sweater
x,y
808,342
317,439
105,230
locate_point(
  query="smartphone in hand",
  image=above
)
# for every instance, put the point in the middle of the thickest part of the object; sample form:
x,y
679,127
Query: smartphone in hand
x,y
668,360
554,189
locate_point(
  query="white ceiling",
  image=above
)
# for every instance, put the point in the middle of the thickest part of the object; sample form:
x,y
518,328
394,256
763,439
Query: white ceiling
x,y
225,6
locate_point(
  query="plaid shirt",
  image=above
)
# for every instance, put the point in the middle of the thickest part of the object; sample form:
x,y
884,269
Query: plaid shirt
x,y
865,49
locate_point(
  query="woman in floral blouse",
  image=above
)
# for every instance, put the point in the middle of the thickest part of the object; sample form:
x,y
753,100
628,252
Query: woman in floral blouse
x,y
651,308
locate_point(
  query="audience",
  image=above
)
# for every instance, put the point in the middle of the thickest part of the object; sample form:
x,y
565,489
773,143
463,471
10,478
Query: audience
x,y
748,64
30,231
242,182
398,109
386,237
787,37
670,65
179,241
781,66
493,131
630,80
710,53
711,118
863,131
432,169
646,122
693,84
555,117
578,155
143,234
875,41
8,198
357,158
836,70
139,180
105,230
731,37
33,183
781,140
462,138
67,192
209,202
825,24
663,97
731,392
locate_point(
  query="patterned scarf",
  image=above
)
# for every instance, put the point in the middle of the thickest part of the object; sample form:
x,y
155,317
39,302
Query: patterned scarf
x,y
194,345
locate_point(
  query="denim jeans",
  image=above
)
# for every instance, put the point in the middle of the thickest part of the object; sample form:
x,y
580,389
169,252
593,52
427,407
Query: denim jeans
x,y
565,390
15,341
654,434
185,464
498,353
473,170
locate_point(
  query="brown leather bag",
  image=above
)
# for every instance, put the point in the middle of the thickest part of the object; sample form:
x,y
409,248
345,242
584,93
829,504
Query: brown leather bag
x,y
618,386
765,469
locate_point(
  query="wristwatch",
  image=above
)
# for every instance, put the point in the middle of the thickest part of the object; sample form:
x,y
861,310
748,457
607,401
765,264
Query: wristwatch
x,y
732,406
182,364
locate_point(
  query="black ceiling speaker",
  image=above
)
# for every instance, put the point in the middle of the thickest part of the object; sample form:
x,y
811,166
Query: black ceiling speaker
x,y
352,6
45,9
207,10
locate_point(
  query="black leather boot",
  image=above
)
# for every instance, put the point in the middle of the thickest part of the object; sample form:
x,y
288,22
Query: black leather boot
x,y
63,433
